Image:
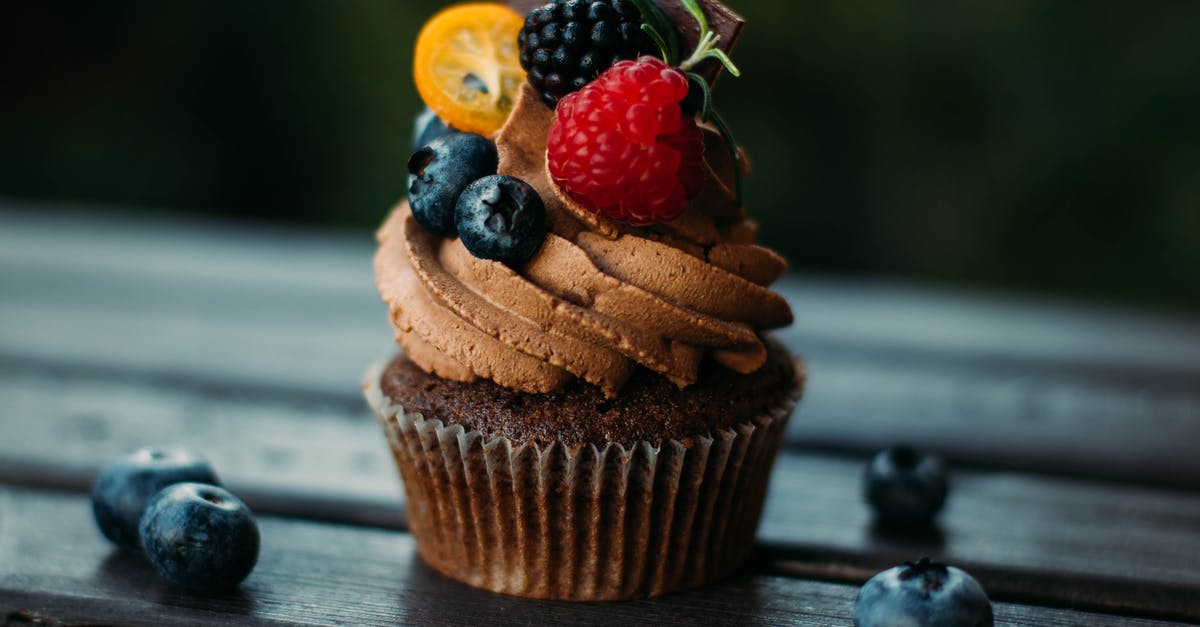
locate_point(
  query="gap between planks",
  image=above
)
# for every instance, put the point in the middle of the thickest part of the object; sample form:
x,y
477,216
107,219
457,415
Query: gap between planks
x,y
62,571
225,309
1056,425
1105,546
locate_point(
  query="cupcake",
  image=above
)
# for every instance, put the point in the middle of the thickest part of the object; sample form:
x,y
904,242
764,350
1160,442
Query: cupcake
x,y
586,405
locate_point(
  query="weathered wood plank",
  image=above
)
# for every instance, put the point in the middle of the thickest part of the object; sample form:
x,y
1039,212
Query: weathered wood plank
x,y
1030,538
220,255
183,272
1004,415
306,454
994,381
54,567
1105,545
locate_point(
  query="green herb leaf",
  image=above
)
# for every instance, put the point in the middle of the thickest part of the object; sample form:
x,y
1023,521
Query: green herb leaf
x,y
654,17
739,167
693,7
706,94
720,55
658,40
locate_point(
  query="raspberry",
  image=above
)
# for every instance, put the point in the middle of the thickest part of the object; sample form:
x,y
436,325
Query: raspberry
x,y
622,146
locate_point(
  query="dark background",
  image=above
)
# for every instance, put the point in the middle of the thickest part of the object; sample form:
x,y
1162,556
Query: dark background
x,y
1038,146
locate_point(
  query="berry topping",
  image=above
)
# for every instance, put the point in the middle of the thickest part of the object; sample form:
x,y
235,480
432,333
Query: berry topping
x,y
622,146
922,593
501,218
200,537
126,485
466,67
427,127
566,44
905,487
438,174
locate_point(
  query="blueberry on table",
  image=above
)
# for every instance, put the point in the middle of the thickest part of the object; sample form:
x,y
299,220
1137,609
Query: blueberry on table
x,y
125,486
440,171
200,537
428,127
923,593
501,218
906,488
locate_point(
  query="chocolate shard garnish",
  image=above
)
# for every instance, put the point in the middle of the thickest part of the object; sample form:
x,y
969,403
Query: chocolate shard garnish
x,y
721,20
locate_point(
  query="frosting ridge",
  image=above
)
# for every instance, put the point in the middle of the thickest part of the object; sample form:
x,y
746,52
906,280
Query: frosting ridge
x,y
599,300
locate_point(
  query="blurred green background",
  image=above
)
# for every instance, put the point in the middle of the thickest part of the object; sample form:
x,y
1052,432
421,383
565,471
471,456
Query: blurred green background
x,y
1037,146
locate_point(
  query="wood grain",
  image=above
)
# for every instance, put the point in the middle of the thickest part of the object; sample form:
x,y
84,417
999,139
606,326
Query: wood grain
x,y
189,271
237,309
1027,537
1107,546
247,343
55,568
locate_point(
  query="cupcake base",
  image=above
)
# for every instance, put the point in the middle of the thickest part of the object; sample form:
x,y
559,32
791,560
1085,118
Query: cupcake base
x,y
586,522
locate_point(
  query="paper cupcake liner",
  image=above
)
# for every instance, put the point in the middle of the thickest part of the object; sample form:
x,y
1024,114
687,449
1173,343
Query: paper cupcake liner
x,y
589,522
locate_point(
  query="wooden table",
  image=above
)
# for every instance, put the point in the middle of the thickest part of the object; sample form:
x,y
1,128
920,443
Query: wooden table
x,y
1071,430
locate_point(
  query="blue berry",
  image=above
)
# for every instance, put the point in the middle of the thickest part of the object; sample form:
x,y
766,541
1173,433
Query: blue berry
x,y
924,593
440,171
501,218
125,486
428,127
200,537
906,488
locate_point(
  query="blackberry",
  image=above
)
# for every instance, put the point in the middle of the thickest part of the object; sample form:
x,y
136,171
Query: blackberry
x,y
565,44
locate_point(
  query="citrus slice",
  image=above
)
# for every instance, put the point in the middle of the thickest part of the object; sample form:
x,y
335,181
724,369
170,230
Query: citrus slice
x,y
467,65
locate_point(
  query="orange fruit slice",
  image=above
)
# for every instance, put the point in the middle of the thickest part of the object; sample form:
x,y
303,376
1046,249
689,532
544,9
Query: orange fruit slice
x,y
467,66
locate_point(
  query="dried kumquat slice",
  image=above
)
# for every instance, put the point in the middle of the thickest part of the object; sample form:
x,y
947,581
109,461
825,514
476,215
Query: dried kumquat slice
x,y
467,67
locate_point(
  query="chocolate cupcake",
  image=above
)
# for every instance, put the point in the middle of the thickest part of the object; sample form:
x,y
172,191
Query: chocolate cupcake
x,y
596,420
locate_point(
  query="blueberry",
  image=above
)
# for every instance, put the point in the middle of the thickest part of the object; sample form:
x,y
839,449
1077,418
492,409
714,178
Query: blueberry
x,y
200,537
906,488
125,486
440,171
924,593
428,127
501,218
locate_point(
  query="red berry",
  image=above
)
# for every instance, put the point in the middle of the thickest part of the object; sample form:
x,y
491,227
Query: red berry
x,y
623,148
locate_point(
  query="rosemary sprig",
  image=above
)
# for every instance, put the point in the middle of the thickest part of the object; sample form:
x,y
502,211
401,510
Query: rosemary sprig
x,y
660,29
705,94
739,166
666,38
706,48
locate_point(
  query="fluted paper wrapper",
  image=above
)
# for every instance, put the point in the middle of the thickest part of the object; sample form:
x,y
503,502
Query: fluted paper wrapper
x,y
589,522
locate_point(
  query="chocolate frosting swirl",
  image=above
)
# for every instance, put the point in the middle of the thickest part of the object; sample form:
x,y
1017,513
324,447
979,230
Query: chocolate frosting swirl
x,y
599,299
